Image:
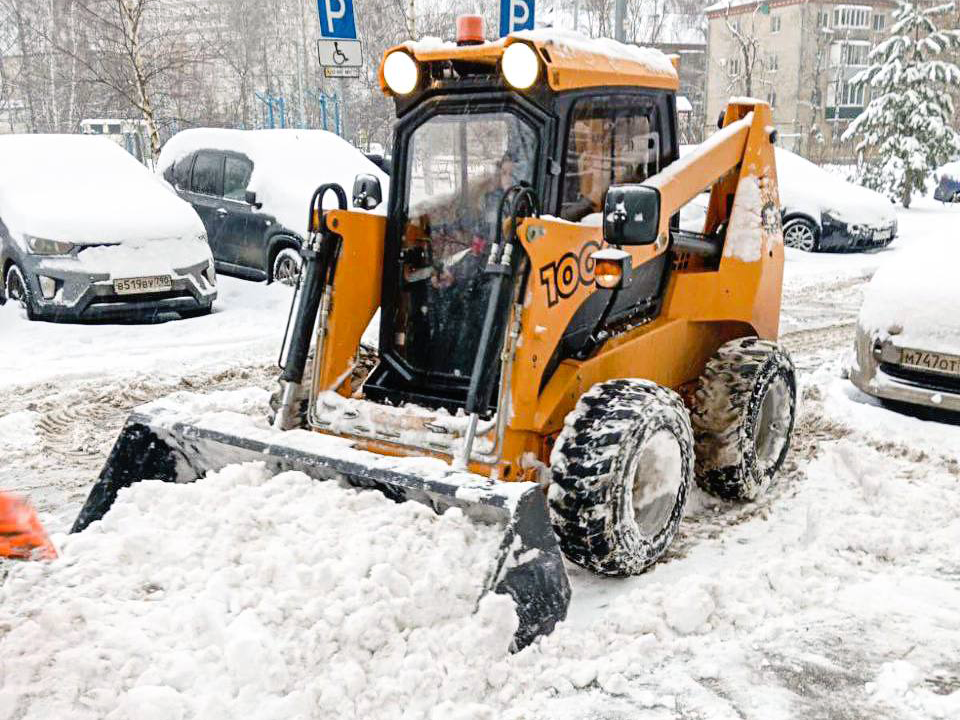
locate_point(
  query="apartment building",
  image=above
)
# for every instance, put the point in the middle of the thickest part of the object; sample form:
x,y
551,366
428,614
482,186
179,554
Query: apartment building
x,y
800,56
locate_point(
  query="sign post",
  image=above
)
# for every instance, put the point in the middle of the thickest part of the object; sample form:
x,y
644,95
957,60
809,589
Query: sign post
x,y
515,15
339,51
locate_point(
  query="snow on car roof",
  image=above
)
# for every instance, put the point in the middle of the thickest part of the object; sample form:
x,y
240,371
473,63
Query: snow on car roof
x,y
86,189
809,189
289,165
914,297
951,170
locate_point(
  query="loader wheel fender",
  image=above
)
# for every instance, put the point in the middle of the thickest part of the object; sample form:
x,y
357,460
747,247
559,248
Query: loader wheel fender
x,y
743,416
621,470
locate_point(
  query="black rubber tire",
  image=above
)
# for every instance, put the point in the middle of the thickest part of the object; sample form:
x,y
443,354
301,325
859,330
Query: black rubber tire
x,y
726,417
591,498
285,254
811,227
21,293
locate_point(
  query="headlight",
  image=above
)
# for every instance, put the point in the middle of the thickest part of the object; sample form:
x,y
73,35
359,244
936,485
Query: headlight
x,y
520,65
401,72
42,246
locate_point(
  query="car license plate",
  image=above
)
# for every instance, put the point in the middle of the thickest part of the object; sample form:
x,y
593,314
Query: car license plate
x,y
881,235
930,361
140,285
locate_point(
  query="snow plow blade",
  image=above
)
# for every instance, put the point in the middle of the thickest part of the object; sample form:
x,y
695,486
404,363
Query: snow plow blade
x,y
22,536
157,445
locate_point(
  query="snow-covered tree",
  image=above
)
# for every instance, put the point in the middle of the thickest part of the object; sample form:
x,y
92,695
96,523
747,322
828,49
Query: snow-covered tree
x,y
906,130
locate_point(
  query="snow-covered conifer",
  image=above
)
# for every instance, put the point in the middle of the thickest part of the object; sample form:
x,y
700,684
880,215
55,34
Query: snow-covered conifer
x,y
906,130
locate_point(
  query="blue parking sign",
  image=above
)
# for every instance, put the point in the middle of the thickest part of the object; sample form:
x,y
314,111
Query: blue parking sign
x,y
336,19
515,15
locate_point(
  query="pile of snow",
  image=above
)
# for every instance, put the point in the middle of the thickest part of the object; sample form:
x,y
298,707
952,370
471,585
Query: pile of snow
x,y
246,595
86,190
18,431
915,298
288,166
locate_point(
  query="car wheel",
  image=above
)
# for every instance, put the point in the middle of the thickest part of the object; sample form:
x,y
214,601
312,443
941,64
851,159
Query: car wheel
x,y
286,266
17,290
800,234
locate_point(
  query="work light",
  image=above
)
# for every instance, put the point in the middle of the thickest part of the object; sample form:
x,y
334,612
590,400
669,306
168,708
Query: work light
x,y
401,72
521,66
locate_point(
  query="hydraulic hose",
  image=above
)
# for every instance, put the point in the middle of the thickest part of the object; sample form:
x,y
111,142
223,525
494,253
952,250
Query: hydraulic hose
x,y
319,255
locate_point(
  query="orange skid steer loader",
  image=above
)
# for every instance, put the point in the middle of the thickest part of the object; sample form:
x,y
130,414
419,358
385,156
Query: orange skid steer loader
x,y
555,354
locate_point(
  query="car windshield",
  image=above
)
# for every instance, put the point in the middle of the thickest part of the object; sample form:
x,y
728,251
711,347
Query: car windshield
x,y
458,169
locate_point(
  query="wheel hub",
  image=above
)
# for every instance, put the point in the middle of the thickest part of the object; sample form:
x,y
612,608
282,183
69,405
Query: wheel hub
x,y
799,236
657,479
773,424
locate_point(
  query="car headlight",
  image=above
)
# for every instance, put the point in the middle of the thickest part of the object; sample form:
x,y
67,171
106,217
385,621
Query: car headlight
x,y
42,246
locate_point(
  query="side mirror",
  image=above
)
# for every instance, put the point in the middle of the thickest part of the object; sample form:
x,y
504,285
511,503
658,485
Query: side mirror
x,y
631,215
251,198
367,193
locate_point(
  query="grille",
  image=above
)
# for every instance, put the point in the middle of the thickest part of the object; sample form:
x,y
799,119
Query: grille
x,y
922,378
142,298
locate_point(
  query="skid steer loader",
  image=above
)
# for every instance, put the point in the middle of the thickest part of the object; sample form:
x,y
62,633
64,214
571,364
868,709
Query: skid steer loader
x,y
555,354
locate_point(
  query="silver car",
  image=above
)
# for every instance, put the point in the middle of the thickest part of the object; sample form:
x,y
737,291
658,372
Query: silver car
x,y
87,233
908,335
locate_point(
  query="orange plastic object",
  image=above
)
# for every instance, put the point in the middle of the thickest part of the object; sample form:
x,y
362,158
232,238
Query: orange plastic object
x,y
469,30
22,537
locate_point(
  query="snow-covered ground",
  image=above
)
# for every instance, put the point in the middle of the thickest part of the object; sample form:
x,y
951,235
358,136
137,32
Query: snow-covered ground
x,y
834,596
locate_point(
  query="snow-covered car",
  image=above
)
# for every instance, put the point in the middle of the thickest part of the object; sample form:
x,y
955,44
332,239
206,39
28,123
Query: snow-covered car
x,y
88,233
252,189
908,335
820,211
948,184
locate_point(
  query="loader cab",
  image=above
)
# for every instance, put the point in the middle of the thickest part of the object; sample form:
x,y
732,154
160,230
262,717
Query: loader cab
x,y
463,137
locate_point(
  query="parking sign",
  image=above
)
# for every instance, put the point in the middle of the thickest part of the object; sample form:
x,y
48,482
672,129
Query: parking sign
x,y
336,19
515,15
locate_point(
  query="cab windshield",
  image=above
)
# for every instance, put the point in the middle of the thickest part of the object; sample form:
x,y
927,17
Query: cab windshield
x,y
458,169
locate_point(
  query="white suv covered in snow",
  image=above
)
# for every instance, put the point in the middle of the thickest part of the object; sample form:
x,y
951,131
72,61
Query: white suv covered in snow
x,y
87,233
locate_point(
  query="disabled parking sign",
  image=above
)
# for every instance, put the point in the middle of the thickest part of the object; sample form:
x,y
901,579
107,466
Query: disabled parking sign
x,y
515,15
337,20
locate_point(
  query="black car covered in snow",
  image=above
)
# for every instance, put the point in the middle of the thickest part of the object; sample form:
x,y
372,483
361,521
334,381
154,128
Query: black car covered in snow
x,y
252,189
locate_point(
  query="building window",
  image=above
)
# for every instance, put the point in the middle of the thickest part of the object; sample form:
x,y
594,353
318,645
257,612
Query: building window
x,y
775,24
772,98
879,21
773,63
854,55
823,19
851,16
851,95
733,66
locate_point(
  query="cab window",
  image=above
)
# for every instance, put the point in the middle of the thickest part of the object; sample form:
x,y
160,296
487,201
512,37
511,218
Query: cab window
x,y
208,174
612,139
236,175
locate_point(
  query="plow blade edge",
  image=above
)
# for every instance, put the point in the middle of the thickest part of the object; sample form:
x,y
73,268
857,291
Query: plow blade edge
x,y
160,446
